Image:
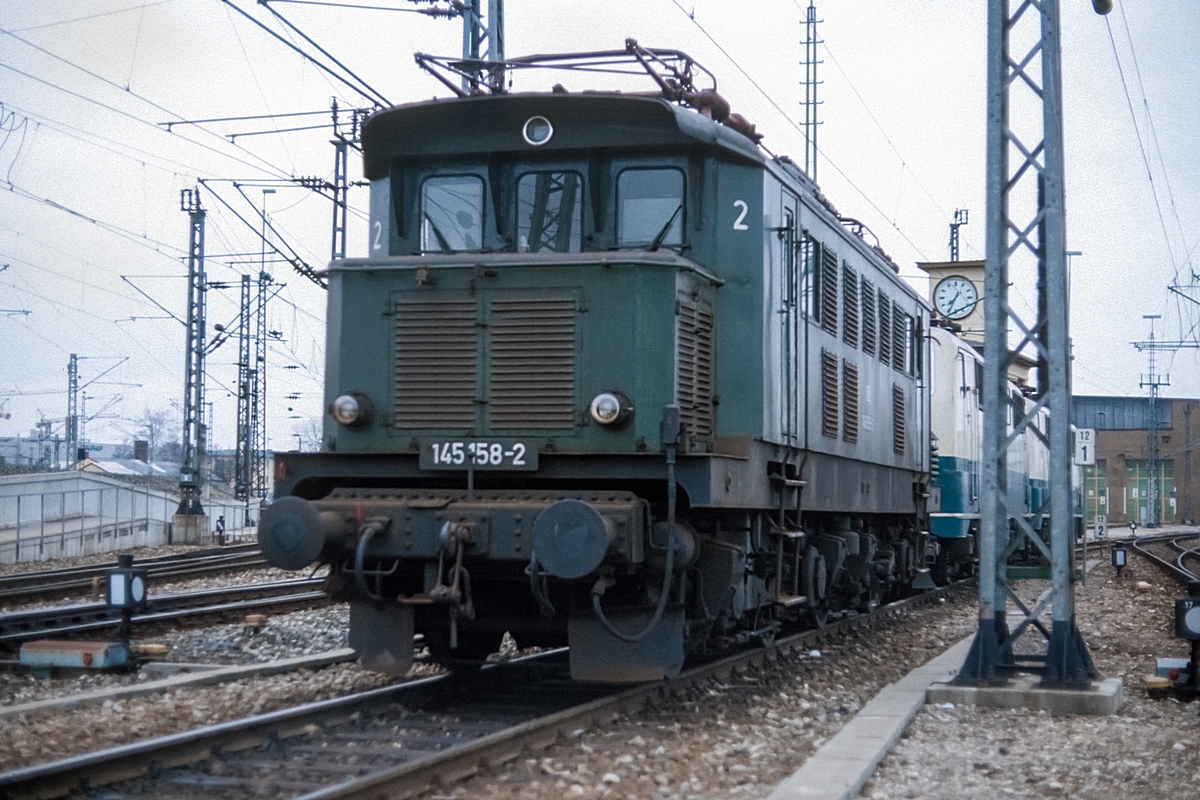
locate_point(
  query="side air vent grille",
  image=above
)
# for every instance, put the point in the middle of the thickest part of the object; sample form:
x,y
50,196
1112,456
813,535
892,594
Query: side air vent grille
x,y
435,363
898,419
885,329
849,305
829,394
850,401
532,364
868,317
829,293
695,368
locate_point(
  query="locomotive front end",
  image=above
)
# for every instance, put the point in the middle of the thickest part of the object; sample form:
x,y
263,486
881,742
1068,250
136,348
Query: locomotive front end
x,y
496,386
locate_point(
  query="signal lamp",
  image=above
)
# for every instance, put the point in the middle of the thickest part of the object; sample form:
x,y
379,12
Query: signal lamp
x,y
611,408
126,585
354,410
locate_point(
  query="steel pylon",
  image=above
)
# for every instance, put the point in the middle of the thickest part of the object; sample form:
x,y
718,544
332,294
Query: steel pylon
x,y
1026,237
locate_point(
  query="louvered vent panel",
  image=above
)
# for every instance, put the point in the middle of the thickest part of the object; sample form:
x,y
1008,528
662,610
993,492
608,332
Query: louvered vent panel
x,y
897,419
885,329
829,292
868,317
899,329
435,363
531,364
849,305
850,402
695,368
829,394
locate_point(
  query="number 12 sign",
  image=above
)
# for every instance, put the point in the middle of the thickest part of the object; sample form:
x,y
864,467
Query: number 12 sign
x,y
1085,446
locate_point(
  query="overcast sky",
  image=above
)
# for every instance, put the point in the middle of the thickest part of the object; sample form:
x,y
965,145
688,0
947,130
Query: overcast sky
x,y
89,179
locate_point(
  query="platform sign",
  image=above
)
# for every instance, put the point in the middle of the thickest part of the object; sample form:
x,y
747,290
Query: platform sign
x,y
1101,526
1085,447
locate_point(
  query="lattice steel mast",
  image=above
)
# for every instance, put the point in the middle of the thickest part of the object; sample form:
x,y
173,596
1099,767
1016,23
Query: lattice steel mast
x,y
810,91
483,38
1155,379
191,477
1019,230
243,449
72,410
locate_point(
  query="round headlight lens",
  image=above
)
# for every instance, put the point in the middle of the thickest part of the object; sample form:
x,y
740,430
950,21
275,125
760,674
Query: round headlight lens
x,y
537,130
611,408
345,409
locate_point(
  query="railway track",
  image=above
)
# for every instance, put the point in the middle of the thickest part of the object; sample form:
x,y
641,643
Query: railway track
x,y
1171,553
23,626
395,742
20,587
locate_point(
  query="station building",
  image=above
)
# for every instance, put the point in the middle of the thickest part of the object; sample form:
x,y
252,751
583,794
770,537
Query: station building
x,y
1118,485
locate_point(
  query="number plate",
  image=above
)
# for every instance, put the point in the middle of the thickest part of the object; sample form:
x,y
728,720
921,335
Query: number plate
x,y
478,454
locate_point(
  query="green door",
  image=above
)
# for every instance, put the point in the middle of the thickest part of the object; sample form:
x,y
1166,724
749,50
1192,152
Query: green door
x,y
1137,491
1095,492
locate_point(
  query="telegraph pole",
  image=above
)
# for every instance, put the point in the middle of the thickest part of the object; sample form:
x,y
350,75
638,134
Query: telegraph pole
x,y
1031,236
190,515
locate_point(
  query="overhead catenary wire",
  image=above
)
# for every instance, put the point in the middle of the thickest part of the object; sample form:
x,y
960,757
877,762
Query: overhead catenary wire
x,y
365,91
766,95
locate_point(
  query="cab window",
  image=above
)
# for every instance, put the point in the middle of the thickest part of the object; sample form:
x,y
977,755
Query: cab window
x,y
649,207
549,212
452,213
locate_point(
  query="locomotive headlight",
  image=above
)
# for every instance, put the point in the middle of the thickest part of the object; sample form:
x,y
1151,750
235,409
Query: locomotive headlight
x,y
353,410
611,408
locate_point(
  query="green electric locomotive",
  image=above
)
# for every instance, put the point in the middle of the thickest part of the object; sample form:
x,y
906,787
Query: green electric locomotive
x,y
612,376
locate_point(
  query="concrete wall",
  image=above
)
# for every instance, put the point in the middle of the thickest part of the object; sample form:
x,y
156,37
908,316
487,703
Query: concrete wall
x,y
61,514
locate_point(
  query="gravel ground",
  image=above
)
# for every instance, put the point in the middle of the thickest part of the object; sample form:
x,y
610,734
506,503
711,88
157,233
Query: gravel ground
x,y
737,738
1149,749
95,558
740,737
286,636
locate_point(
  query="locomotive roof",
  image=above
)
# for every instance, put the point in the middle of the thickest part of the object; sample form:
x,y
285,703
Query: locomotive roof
x,y
487,124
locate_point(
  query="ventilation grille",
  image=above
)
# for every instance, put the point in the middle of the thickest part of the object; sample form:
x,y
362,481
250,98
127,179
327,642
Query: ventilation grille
x,y
885,329
436,352
850,402
868,317
695,368
829,394
899,337
532,364
849,305
829,290
898,419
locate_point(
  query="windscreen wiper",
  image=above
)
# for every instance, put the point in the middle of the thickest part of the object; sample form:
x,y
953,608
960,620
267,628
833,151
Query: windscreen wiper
x,y
442,243
658,240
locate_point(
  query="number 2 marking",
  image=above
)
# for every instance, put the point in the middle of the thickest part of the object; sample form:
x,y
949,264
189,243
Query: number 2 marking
x,y
738,225
379,235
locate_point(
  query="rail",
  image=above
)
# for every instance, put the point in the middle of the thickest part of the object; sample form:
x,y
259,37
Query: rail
x,y
459,760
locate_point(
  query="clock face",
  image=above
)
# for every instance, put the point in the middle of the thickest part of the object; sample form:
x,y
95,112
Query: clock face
x,y
955,297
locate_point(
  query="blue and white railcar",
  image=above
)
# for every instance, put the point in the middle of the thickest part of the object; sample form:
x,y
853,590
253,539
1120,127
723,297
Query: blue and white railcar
x,y
956,420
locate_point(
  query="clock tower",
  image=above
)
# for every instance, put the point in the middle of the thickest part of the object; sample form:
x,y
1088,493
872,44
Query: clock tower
x,y
956,293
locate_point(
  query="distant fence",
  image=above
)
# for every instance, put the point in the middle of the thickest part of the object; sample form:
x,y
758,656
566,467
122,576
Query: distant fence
x,y
93,517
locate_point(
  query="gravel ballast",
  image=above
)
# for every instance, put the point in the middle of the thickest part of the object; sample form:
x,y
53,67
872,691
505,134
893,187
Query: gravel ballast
x,y
740,737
